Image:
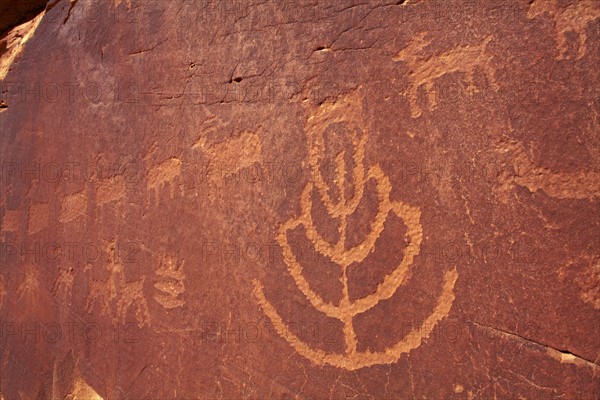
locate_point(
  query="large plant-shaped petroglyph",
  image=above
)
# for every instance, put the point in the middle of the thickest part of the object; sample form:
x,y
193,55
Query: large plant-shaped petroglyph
x,y
347,111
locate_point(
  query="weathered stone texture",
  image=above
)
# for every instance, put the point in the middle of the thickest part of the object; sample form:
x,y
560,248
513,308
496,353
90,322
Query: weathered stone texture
x,y
301,199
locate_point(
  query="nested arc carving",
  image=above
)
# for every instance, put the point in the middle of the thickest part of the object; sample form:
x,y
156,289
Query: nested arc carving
x,y
348,110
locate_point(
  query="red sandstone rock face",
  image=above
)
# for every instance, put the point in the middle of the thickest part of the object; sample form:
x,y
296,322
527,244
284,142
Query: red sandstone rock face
x,y
302,200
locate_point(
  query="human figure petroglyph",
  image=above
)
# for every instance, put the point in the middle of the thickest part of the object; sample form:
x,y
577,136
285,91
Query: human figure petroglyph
x,y
116,296
63,286
29,286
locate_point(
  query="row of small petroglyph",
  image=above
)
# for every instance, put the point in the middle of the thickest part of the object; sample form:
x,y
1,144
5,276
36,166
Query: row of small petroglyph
x,y
577,185
115,297
231,172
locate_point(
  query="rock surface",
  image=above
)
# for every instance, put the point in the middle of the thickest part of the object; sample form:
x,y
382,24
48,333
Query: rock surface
x,y
305,199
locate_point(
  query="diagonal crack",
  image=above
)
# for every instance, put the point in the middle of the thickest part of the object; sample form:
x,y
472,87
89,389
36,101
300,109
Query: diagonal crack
x,y
562,355
71,5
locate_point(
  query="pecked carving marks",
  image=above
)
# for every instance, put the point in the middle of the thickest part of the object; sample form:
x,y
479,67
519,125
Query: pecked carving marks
x,y
424,70
29,287
230,156
562,185
2,290
38,216
233,154
10,221
108,190
573,18
585,272
356,360
347,110
63,286
116,296
73,206
163,174
117,3
169,283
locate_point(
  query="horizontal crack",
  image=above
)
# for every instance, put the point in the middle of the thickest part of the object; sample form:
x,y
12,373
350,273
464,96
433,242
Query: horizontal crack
x,y
561,355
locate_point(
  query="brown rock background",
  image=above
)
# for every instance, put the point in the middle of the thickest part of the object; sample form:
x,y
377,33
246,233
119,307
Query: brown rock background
x,y
152,151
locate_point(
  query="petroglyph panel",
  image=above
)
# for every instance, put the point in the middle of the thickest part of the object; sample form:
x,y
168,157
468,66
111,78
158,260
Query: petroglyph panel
x,y
299,199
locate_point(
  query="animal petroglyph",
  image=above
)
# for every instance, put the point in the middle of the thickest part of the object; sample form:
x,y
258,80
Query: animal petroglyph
x,y
116,296
10,221
590,284
573,18
170,277
348,109
162,175
108,190
38,216
585,271
562,185
425,70
230,156
73,206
